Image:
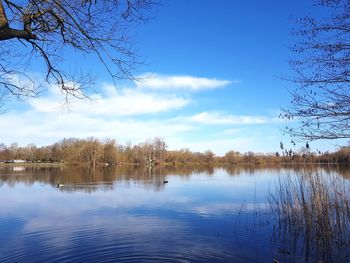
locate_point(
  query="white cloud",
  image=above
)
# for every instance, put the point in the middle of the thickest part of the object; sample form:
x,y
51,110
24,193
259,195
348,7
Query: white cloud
x,y
126,102
214,118
46,128
43,128
135,115
176,82
218,146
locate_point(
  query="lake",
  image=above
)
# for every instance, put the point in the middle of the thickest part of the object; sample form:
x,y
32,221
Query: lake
x,y
202,214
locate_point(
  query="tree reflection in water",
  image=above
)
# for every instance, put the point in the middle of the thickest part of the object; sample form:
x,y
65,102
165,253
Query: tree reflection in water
x,y
87,179
307,213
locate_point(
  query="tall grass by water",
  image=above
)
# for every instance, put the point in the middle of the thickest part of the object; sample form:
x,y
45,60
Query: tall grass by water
x,y
312,211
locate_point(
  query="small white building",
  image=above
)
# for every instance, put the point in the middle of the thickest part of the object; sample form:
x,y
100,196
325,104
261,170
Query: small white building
x,y
19,161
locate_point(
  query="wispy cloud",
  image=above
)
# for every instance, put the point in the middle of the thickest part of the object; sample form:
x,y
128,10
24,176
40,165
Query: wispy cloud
x,y
215,117
45,128
135,114
176,82
126,102
219,146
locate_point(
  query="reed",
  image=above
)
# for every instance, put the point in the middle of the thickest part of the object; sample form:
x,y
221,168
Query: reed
x,y
312,211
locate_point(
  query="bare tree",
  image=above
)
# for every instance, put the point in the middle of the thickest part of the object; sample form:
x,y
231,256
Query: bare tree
x,y
91,150
321,101
42,30
159,147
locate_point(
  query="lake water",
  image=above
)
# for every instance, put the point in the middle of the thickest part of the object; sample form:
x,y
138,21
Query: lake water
x,y
203,214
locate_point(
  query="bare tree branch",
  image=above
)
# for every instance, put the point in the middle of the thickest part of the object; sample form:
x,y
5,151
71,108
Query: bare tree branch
x,y
45,29
321,101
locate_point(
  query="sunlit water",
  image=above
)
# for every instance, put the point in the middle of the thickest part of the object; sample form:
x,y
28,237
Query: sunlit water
x,y
202,214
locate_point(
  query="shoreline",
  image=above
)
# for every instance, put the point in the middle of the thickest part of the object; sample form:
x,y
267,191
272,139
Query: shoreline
x,y
2,164
57,164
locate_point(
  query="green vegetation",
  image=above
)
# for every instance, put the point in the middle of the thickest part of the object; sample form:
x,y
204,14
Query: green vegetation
x,y
92,151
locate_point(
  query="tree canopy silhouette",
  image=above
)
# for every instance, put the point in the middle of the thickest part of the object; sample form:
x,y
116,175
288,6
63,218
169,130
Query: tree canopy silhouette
x,y
42,30
321,101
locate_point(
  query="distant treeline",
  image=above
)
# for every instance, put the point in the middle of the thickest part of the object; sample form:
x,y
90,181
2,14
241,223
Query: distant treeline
x,y
93,151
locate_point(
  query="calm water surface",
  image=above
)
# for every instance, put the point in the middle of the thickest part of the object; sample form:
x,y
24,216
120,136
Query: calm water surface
x,y
203,214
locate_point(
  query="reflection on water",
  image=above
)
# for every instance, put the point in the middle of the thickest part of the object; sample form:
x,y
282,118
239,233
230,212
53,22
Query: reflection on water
x,y
203,214
88,179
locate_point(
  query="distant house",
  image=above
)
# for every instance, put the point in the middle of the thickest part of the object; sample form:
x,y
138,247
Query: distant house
x,y
16,161
19,161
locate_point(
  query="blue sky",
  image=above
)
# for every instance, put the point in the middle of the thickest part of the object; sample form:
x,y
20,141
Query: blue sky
x,y
213,82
